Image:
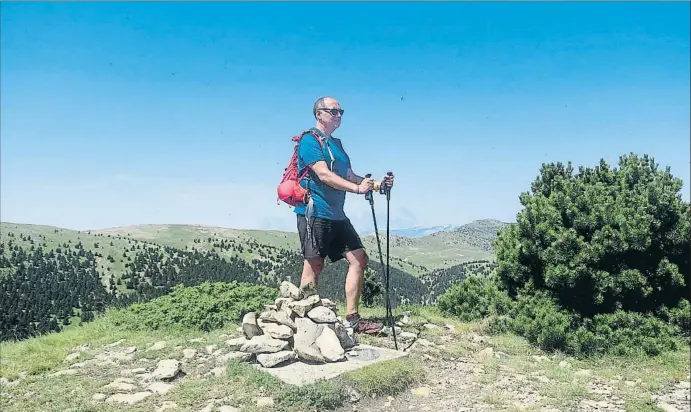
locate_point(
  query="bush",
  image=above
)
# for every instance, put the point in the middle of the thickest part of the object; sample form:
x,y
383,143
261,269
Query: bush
x,y
476,297
596,263
204,307
601,240
537,317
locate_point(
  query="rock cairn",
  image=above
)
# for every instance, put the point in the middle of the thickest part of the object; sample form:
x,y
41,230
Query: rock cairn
x,y
299,326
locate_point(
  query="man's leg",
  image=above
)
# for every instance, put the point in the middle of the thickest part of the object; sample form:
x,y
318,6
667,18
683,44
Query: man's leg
x,y
313,250
355,279
311,270
347,244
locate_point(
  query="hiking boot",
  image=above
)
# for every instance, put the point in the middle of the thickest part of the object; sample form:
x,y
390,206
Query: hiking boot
x,y
366,326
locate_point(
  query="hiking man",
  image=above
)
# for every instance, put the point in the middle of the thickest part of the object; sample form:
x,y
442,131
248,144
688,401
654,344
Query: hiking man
x,y
322,224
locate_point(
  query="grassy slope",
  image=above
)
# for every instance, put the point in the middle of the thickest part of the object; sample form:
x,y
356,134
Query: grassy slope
x,y
38,357
407,254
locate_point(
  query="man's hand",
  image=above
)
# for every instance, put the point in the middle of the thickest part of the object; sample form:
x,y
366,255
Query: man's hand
x,y
366,185
388,180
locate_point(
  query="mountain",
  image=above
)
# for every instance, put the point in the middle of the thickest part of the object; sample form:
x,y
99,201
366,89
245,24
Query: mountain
x,y
419,231
479,234
52,277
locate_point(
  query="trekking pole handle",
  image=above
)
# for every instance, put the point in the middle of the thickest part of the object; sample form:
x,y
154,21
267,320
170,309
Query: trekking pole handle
x,y
385,189
368,195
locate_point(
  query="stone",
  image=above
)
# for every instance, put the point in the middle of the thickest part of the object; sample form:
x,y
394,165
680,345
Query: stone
x,y
264,344
276,330
330,346
485,353
160,388
236,343
265,402
250,326
564,365
167,370
269,360
346,335
241,356
301,307
289,290
72,356
189,353
322,314
407,336
329,304
227,408
167,405
128,398
279,317
282,302
304,340
98,397
157,346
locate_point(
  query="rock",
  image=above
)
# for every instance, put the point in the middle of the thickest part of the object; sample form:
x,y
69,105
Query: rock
x,y
167,405
683,385
564,365
189,353
422,391
128,398
241,356
167,370
539,359
430,326
281,318
121,385
329,304
345,335
275,330
304,340
485,353
330,346
210,349
157,346
269,360
72,356
236,344
407,336
250,326
301,307
282,302
308,290
264,402
98,397
160,388
322,314
289,290
264,344
227,408
65,372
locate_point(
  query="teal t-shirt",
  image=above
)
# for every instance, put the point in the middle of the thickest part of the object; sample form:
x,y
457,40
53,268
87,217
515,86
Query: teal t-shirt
x,y
328,202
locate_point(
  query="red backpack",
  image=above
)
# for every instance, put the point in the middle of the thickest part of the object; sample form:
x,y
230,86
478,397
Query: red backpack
x,y
289,190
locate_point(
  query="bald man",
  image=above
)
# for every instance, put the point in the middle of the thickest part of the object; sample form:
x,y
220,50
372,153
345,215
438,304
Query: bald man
x,y
328,232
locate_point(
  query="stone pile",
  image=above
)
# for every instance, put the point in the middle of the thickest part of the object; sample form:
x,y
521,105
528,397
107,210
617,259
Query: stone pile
x,y
298,326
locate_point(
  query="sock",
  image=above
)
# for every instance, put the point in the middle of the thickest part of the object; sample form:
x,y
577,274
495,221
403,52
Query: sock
x,y
353,319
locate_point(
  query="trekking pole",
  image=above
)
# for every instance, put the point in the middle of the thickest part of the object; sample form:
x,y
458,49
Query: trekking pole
x,y
387,191
389,317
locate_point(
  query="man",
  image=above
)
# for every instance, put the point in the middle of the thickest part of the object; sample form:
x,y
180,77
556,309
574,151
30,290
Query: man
x,y
328,232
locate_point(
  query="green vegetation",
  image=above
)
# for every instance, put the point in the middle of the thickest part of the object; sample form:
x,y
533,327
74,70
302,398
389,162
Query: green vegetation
x,y
597,263
205,307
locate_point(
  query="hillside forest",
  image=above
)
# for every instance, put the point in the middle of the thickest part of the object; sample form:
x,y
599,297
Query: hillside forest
x,y
598,260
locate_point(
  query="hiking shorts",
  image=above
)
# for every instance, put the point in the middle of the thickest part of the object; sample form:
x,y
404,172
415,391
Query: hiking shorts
x,y
330,238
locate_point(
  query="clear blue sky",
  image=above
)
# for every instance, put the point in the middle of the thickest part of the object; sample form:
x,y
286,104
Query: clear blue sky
x,y
127,113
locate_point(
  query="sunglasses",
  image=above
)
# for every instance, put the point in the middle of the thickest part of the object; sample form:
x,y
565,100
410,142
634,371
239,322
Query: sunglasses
x,y
333,112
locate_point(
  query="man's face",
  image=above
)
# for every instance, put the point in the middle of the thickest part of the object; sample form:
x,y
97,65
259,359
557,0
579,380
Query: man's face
x,y
330,114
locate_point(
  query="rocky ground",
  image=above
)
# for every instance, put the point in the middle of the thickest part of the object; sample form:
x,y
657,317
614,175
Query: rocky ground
x,y
464,370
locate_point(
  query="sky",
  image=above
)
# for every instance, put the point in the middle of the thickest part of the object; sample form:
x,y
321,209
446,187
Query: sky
x,y
128,113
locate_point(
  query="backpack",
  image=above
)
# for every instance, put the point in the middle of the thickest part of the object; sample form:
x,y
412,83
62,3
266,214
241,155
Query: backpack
x,y
289,190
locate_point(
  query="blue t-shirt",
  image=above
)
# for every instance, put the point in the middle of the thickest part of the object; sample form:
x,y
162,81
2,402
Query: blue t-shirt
x,y
327,202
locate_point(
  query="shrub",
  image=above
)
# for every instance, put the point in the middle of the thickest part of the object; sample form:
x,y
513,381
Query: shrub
x,y
601,240
474,298
204,307
537,317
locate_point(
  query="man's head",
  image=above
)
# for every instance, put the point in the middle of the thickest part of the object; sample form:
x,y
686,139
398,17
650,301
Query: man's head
x,y
328,113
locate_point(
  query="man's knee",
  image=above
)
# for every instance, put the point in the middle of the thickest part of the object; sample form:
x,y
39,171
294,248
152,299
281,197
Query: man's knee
x,y
358,258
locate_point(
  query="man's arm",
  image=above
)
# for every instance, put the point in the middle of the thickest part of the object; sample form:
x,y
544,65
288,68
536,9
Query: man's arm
x,y
332,179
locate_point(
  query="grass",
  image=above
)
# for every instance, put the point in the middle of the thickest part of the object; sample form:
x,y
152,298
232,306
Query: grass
x,y
560,386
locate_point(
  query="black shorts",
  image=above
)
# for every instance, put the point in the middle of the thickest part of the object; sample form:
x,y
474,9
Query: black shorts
x,y
330,238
